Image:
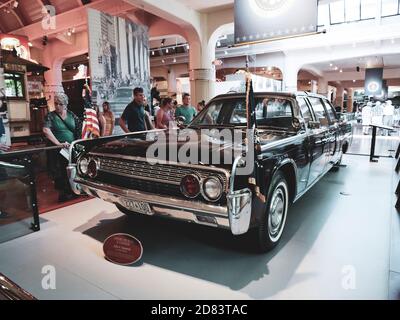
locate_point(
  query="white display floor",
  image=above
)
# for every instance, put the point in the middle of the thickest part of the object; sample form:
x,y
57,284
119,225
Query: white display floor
x,y
342,241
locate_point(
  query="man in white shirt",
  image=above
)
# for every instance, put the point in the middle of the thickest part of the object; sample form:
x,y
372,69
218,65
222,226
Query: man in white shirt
x,y
388,115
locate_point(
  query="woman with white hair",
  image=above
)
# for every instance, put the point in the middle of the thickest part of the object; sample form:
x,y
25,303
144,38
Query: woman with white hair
x,y
366,117
61,128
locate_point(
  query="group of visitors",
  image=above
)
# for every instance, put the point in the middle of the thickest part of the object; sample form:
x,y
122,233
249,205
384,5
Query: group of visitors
x,y
136,118
62,126
381,114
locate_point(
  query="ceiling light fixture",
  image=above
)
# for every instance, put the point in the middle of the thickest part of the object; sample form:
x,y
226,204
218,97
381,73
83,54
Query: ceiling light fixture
x,y
30,44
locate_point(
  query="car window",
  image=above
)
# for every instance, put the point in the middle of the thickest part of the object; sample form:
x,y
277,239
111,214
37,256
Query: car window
x,y
211,115
276,112
239,114
331,111
274,108
319,111
305,110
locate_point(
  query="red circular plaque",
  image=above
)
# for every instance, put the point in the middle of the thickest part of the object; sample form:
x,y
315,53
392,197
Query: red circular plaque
x,y
122,249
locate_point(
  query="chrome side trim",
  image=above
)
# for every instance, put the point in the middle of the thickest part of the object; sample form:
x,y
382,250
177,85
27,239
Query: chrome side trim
x,y
283,141
153,199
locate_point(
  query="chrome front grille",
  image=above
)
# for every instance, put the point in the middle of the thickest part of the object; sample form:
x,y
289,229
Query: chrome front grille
x,y
160,173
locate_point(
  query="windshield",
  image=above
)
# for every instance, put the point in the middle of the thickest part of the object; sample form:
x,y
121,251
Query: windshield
x,y
270,111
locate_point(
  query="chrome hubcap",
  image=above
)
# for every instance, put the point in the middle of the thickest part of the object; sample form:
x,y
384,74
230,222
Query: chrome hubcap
x,y
277,213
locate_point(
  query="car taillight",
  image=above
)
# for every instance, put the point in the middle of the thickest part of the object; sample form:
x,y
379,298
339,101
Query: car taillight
x,y
190,186
92,169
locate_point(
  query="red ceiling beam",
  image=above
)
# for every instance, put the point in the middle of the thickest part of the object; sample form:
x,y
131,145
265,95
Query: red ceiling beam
x,y
73,18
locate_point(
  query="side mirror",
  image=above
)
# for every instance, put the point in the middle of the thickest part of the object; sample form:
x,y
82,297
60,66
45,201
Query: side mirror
x,y
314,125
297,124
180,121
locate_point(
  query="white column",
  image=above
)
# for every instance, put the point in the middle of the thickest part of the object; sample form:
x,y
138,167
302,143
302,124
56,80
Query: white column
x,y
290,75
339,97
202,72
123,47
323,87
131,47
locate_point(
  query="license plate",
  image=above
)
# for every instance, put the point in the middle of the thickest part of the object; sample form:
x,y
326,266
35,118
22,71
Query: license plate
x,y
137,206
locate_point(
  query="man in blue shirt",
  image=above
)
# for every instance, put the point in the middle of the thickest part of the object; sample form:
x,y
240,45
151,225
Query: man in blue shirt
x,y
134,117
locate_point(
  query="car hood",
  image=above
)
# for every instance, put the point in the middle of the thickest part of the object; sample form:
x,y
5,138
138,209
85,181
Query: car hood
x,y
193,144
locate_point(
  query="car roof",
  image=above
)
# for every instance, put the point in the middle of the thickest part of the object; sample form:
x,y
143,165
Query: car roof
x,y
284,94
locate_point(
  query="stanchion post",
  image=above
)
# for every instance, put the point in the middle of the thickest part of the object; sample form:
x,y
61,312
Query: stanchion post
x,y
35,226
373,141
398,152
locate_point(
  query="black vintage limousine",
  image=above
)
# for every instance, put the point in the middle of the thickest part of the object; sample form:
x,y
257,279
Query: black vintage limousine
x,y
296,139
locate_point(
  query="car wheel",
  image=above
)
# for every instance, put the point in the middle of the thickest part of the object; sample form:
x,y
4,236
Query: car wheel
x,y
267,235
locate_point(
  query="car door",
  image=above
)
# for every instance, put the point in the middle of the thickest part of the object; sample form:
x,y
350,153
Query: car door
x,y
319,146
333,137
304,164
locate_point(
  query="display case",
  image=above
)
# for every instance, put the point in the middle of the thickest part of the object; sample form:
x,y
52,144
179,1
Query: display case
x,y
15,80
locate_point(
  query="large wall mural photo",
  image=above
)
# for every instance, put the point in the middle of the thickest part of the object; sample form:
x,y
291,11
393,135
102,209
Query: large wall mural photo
x,y
119,59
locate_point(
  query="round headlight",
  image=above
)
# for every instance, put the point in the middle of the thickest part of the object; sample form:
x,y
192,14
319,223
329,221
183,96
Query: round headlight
x,y
212,189
190,186
83,166
92,169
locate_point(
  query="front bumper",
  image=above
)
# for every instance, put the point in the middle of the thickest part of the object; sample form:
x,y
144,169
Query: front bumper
x,y
235,216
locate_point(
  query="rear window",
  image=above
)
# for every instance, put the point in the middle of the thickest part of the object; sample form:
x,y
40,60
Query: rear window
x,y
319,111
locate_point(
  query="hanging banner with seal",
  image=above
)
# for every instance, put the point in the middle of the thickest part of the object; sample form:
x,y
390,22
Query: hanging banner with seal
x,y
122,249
261,20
